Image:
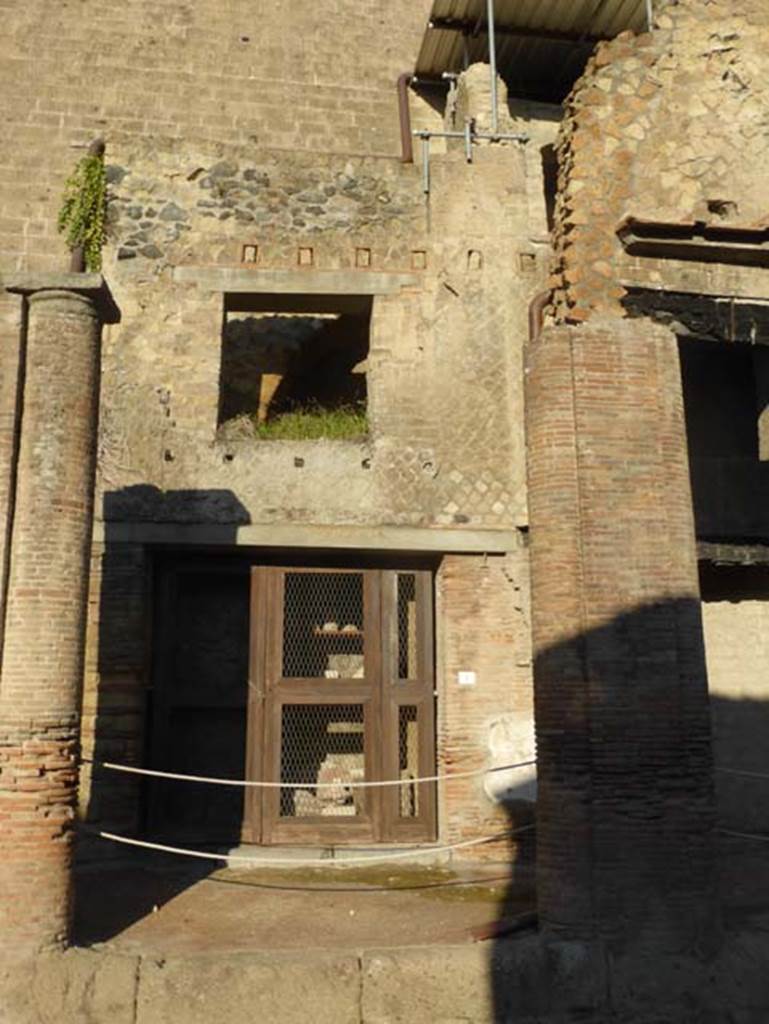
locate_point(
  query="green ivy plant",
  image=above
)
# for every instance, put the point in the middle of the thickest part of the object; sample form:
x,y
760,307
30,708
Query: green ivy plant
x,y
84,207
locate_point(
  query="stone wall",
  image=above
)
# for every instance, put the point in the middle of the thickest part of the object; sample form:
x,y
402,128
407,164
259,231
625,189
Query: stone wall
x,y
445,444
266,140
203,161
677,115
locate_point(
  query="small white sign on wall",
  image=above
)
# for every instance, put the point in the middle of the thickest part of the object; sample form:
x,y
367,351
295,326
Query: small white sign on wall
x,y
466,678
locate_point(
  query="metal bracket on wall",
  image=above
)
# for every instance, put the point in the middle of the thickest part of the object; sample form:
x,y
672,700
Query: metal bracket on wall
x,y
470,135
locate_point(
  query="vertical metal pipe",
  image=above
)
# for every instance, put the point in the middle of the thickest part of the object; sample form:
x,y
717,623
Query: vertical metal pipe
x,y
492,64
649,14
426,164
404,114
469,140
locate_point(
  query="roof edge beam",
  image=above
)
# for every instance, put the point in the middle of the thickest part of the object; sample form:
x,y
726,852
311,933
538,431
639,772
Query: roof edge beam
x,y
473,28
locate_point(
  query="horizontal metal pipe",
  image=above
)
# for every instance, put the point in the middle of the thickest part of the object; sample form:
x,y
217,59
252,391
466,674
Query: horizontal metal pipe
x,y
517,137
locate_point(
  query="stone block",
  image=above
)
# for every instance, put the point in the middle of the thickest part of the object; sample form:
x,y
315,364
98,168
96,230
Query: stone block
x,y
413,986
244,988
69,988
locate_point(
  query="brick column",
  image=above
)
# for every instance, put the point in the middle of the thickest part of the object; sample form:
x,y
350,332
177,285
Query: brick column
x,y
625,808
45,618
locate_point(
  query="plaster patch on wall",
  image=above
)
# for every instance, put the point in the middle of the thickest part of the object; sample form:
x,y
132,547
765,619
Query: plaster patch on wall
x,y
510,741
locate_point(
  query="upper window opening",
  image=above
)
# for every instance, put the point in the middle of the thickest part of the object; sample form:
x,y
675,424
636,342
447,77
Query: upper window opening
x,y
293,367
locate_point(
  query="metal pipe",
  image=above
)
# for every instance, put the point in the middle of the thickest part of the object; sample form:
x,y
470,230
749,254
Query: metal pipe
x,y
492,64
77,255
407,150
469,135
469,141
649,15
536,314
505,136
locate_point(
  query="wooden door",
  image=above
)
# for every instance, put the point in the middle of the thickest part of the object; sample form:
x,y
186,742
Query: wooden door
x,y
341,693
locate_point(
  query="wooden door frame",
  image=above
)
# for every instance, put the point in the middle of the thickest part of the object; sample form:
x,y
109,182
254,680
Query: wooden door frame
x,y
381,694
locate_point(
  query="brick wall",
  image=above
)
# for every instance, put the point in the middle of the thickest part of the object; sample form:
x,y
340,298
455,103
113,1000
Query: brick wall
x,y
483,627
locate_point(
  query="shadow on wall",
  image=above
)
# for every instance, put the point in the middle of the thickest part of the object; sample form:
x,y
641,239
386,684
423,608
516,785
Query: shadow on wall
x,y
634,798
122,715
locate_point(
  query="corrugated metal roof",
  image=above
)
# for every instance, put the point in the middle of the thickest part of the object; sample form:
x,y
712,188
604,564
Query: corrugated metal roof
x,y
541,47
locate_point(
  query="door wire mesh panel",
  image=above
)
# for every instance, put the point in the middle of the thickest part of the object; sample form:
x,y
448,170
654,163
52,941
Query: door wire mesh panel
x,y
407,625
323,625
408,760
322,743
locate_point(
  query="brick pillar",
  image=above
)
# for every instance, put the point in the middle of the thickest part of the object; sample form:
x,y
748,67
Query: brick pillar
x,y
45,618
625,808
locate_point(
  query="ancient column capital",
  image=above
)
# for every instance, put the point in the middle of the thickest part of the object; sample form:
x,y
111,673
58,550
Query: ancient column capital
x,y
81,290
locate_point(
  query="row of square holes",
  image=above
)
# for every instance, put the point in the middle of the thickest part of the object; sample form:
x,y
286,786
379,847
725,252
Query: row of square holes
x,y
305,257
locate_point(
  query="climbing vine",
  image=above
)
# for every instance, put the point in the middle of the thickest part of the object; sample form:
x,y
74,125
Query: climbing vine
x,y
84,207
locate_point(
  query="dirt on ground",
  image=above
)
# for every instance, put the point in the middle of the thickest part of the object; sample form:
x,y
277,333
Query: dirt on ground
x,y
153,909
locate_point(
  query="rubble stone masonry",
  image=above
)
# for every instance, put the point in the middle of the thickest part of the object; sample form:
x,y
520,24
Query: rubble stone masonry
x,y
675,122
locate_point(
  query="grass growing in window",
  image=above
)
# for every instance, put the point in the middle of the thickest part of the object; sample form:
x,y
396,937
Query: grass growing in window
x,y
311,422
301,423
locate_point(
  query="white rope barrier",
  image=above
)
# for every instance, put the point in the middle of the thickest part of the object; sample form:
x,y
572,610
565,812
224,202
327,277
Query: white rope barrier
x,y
740,771
743,835
303,862
339,783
